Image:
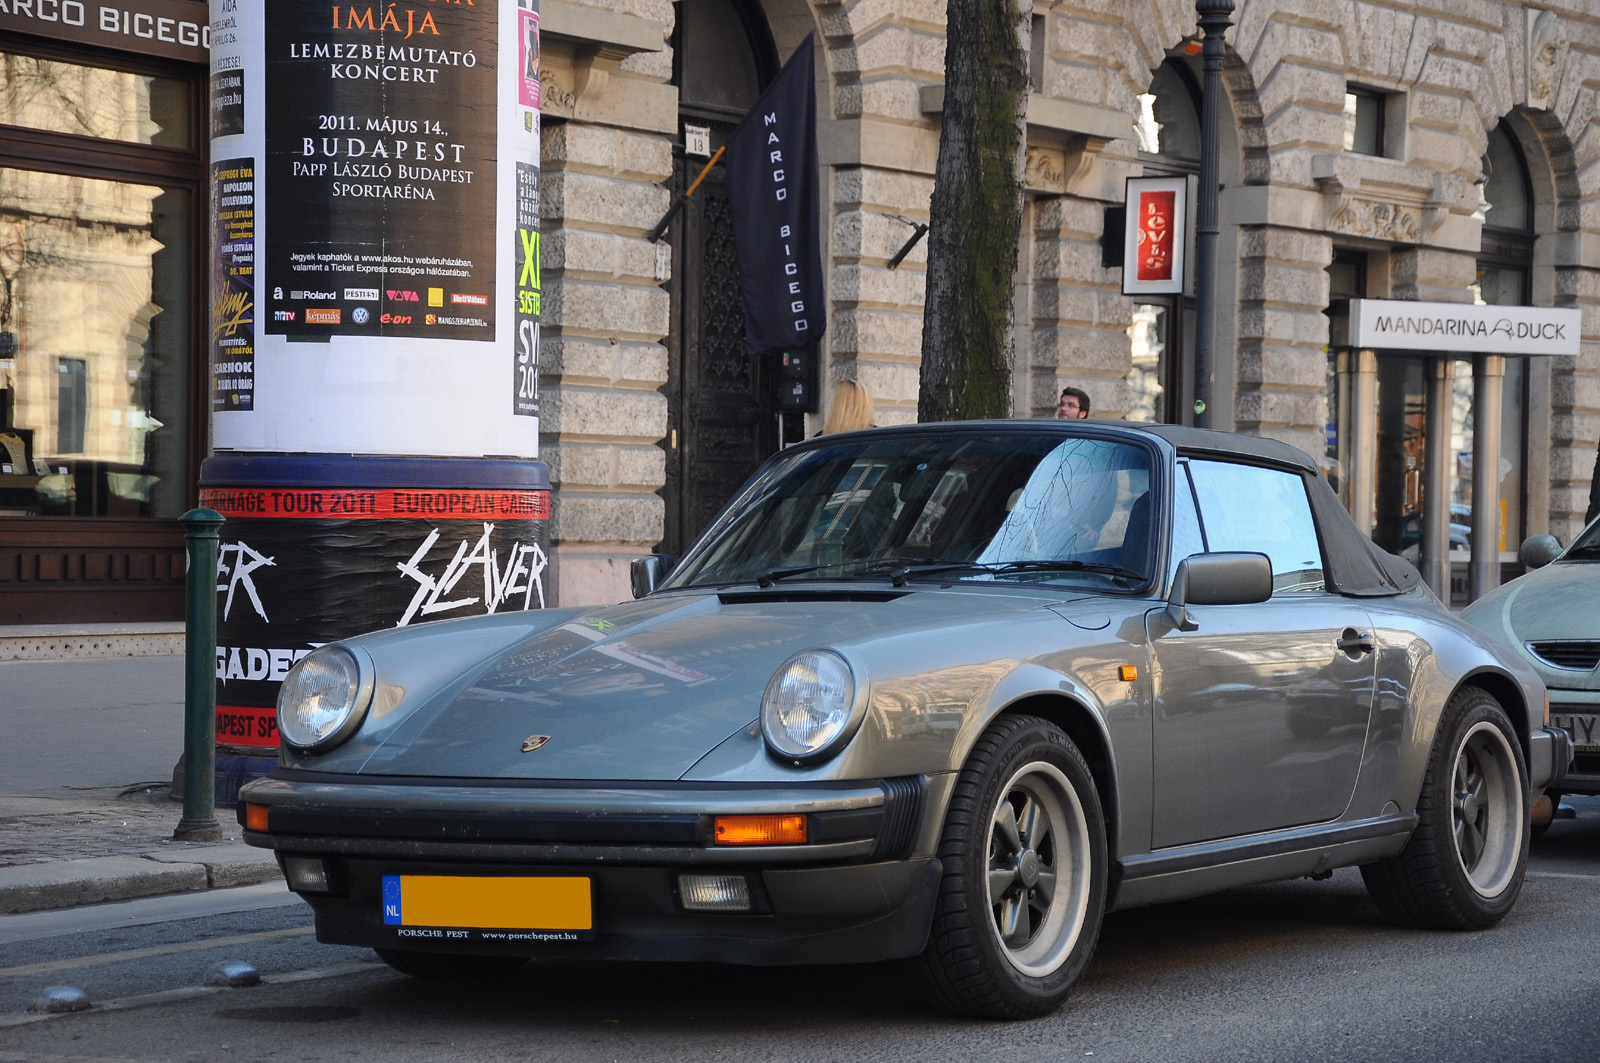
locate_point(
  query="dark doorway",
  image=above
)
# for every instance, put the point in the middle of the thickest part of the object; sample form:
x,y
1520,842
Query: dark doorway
x,y
721,409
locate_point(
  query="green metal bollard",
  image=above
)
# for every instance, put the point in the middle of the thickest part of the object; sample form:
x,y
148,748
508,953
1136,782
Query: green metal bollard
x,y
199,822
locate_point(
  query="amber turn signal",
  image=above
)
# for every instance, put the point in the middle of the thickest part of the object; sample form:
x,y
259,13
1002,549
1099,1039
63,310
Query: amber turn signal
x,y
1128,672
255,817
761,830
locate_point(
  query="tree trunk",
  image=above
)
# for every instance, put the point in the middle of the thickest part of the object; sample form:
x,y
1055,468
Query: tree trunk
x,y
976,214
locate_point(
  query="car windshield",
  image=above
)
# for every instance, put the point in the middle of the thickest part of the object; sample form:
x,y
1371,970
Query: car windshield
x,y
1586,547
958,506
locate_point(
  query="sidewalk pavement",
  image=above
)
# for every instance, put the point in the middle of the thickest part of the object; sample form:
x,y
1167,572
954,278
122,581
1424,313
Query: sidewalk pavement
x,y
87,750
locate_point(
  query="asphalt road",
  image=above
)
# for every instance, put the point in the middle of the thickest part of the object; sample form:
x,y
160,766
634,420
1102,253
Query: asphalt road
x,y
1292,971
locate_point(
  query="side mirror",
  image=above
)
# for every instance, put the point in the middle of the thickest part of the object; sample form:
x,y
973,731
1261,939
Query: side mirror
x,y
1217,579
646,573
1538,551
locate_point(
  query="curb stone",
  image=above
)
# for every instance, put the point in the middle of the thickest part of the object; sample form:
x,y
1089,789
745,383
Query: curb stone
x,y
96,880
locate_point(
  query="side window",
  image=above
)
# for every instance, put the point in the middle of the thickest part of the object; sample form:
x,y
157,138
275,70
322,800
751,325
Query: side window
x,y
1186,536
1248,508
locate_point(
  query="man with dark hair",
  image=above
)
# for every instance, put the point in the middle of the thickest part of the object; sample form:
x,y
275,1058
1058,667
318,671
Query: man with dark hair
x,y
1073,405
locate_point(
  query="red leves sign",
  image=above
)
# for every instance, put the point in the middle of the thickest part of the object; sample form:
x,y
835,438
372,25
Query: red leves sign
x,y
1157,211
1153,249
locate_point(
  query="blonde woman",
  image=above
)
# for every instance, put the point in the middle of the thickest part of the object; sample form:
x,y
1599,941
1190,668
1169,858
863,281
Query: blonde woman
x,y
851,408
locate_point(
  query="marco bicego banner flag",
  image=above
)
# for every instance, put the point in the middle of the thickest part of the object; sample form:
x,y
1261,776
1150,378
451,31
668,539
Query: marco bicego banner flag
x,y
772,191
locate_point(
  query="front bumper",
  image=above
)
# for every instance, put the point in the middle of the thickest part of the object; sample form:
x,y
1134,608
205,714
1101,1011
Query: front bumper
x,y
862,888
1549,756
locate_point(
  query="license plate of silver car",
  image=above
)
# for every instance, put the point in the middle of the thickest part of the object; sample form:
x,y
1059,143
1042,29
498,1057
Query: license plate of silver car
x,y
1584,727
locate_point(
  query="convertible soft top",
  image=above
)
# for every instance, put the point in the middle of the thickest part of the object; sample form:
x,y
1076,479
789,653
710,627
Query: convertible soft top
x,y
1357,566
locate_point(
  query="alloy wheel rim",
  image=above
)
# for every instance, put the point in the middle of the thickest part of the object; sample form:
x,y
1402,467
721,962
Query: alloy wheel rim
x,y
1485,812
1038,869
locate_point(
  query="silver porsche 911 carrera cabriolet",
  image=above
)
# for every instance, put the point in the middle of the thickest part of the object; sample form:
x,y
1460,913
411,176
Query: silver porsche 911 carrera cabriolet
x,y
945,693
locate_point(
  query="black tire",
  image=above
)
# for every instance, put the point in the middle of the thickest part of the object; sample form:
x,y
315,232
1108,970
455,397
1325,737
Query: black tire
x,y
1541,829
1049,868
450,966
1463,867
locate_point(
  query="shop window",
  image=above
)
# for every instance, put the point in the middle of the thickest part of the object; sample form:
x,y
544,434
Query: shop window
x,y
99,282
99,292
61,97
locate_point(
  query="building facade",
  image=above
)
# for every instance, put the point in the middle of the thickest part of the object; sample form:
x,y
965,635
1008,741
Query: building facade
x,y
1436,151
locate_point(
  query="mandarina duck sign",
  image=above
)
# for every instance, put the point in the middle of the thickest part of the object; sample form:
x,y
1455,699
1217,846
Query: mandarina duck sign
x,y
1464,328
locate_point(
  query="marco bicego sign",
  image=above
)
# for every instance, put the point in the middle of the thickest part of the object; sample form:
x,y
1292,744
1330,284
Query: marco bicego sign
x,y
174,29
1463,328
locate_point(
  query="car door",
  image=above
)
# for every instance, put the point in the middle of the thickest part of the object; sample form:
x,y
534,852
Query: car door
x,y
1261,712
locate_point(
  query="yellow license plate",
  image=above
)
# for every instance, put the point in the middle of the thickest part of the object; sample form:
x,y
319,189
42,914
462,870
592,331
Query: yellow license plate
x,y
485,903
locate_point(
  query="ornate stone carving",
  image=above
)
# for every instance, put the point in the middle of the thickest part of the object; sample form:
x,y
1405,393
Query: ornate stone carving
x,y
1053,168
1043,170
1547,53
1377,221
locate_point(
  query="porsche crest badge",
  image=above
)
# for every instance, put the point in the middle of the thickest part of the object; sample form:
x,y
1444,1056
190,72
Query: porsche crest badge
x,y
533,742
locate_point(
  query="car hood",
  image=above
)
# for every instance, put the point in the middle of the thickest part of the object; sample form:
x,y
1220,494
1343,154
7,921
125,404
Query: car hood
x,y
638,691
1554,602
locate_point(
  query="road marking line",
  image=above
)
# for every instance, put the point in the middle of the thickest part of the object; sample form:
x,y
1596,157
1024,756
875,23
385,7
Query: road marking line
x,y
173,996
1563,874
51,966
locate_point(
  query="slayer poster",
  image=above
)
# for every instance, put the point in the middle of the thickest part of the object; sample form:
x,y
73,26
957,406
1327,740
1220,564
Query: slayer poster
x,y
380,169
300,567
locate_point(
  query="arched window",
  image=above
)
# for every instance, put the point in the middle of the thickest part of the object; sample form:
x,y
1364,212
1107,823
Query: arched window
x,y
1505,278
723,58
1162,333
1169,120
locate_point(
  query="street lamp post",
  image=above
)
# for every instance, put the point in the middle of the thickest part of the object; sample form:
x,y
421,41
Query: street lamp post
x,y
1214,22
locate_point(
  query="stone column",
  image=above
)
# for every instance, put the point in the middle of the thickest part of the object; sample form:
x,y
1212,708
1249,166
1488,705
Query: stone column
x,y
1488,374
1361,475
1283,289
611,119
606,315
1435,544
1080,317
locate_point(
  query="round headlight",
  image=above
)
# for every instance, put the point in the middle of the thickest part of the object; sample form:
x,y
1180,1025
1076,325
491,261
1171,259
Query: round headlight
x,y
807,708
322,699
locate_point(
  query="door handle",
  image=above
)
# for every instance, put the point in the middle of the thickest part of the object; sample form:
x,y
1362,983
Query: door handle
x,y
1354,643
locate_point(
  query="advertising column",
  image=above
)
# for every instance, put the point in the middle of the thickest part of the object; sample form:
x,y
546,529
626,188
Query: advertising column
x,y
374,330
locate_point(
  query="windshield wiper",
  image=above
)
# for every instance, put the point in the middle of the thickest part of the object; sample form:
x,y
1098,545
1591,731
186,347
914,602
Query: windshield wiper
x,y
898,576
772,575
1070,566
861,566
899,569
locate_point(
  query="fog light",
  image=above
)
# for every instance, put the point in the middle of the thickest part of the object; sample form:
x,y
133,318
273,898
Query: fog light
x,y
306,874
714,893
